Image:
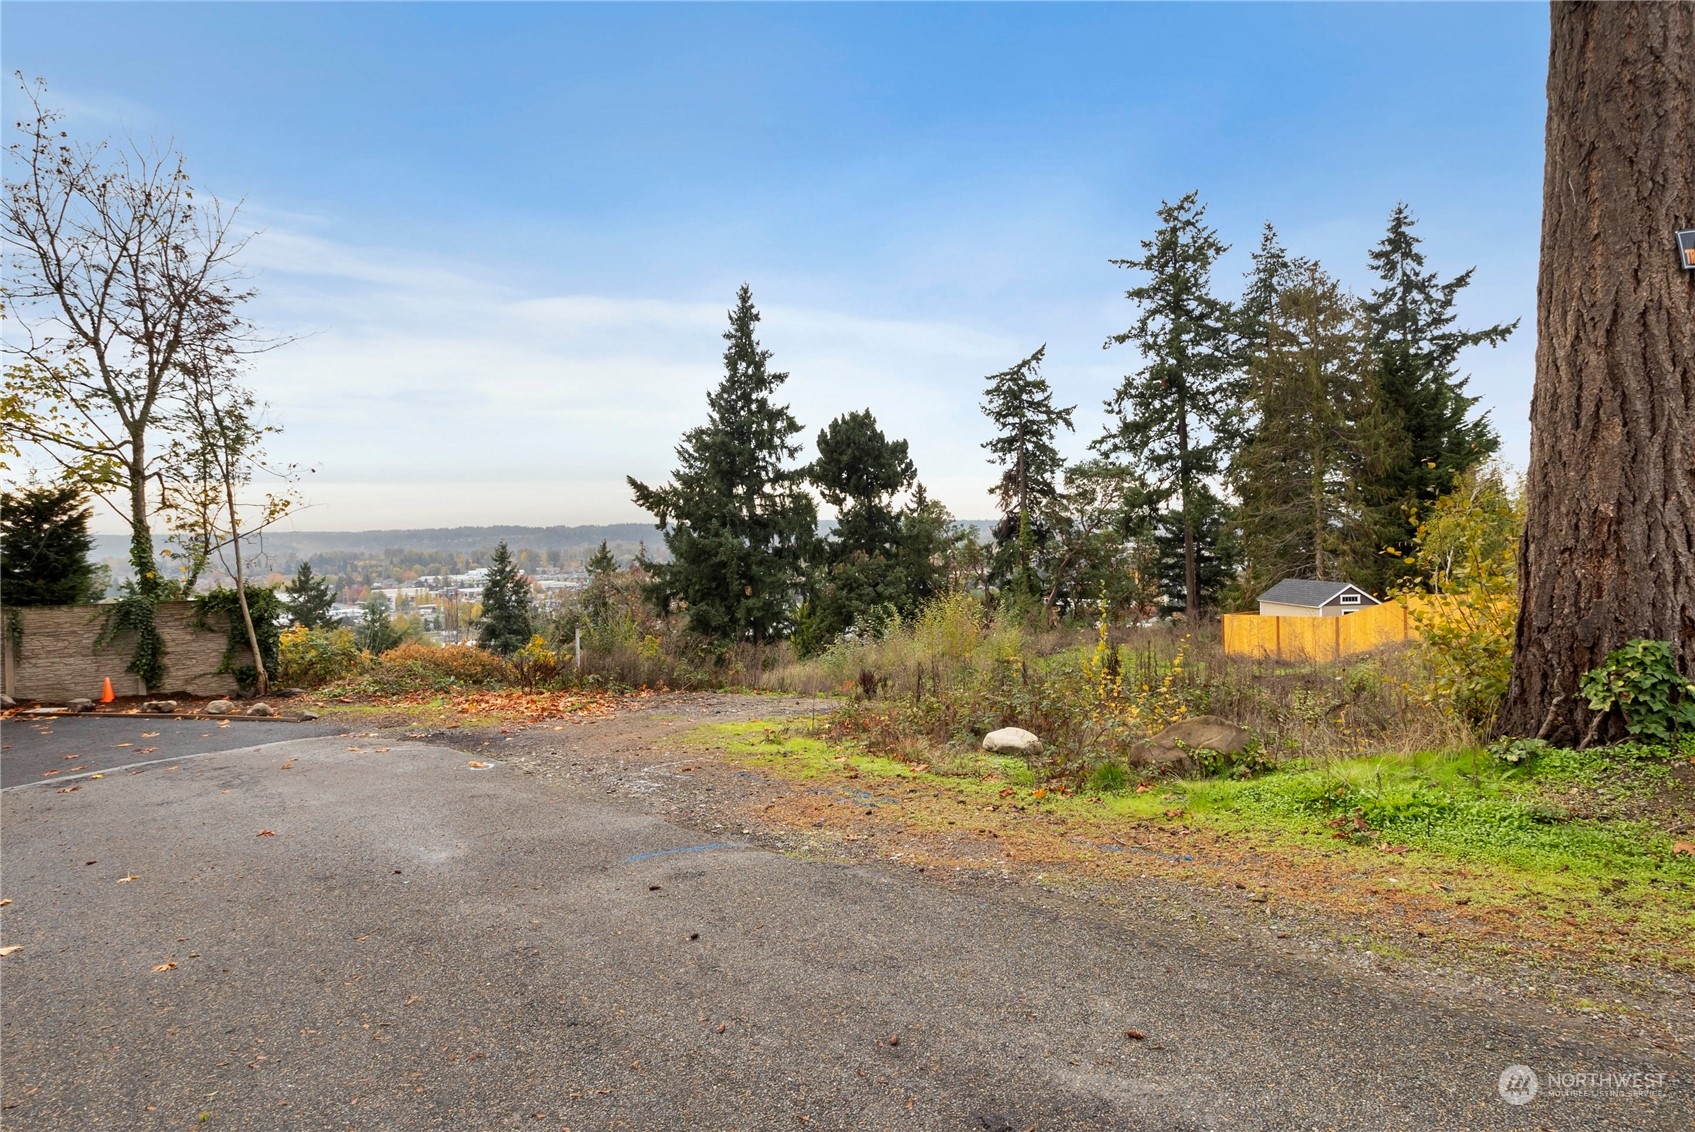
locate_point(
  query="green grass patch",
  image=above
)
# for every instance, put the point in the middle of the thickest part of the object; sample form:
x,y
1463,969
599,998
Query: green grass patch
x,y
1459,804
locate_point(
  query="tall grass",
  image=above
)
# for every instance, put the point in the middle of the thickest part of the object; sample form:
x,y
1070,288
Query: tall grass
x,y
1095,693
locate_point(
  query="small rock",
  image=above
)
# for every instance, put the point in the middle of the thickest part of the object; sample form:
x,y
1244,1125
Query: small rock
x,y
1012,741
220,707
288,691
81,705
162,706
7,702
261,709
308,715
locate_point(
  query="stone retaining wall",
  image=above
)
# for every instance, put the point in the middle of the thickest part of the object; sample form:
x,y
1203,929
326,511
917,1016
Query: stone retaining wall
x,y
57,660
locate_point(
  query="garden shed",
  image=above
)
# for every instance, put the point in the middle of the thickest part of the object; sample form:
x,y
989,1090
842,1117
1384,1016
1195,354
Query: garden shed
x,y
1306,597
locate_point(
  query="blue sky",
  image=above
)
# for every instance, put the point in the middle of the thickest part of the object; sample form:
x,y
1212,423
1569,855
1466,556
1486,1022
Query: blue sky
x,y
507,234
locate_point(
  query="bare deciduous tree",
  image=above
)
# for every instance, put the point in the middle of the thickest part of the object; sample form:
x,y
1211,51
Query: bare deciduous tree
x,y
117,273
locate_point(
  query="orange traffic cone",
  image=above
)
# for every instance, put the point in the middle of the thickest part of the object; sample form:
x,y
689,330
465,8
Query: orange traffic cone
x,y
106,695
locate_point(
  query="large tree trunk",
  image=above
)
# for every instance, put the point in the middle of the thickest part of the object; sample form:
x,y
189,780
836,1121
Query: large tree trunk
x,y
1609,543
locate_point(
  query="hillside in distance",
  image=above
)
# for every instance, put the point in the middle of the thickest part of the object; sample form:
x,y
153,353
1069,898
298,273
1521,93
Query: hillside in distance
x,y
427,548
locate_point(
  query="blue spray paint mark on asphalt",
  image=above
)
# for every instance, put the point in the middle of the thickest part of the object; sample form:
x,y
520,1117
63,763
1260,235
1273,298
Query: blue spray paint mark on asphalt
x,y
685,849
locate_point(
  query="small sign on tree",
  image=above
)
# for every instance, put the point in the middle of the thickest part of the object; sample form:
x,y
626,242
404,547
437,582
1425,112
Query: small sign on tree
x,y
1686,249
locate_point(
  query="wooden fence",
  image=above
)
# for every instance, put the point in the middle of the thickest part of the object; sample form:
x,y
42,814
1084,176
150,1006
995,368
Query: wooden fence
x,y
1316,638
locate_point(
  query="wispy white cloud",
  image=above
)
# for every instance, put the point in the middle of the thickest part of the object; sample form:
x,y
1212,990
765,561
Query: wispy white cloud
x,y
474,399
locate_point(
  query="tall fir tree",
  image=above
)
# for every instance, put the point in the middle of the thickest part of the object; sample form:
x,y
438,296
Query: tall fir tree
x,y
506,624
1270,273
738,521
1423,431
1019,402
309,598
1294,476
1176,418
44,546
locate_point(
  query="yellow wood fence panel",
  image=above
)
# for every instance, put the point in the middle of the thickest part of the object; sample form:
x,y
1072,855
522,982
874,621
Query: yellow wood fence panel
x,y
1316,638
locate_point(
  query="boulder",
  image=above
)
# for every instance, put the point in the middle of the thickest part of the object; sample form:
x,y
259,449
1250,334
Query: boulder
x,y
1170,749
261,709
81,705
308,715
220,707
1203,733
1012,741
161,706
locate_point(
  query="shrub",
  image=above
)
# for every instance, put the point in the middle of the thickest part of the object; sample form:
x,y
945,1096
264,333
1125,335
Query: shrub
x,y
418,667
1467,559
311,657
1641,680
535,663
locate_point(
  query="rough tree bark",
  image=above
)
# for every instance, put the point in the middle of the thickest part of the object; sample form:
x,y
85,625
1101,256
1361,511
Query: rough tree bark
x,y
1609,546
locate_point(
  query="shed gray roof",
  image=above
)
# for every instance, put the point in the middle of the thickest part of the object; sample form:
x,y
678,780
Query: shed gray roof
x,y
1306,591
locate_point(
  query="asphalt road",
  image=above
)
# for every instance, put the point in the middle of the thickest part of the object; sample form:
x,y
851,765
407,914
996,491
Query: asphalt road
x,y
67,747
323,934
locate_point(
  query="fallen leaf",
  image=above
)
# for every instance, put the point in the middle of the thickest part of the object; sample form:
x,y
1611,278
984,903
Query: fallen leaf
x,y
12,950
1143,788
1042,793
67,790
97,776
1135,1035
149,734
73,756
48,773
146,750
123,744
478,765
130,877
1683,847
1388,848
166,967
5,902
286,766
264,833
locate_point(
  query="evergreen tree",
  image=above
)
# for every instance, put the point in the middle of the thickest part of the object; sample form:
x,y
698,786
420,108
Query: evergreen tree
x,y
376,633
1176,417
44,545
1270,273
309,598
1423,434
1212,551
738,522
1020,403
1294,477
506,625
601,592
881,559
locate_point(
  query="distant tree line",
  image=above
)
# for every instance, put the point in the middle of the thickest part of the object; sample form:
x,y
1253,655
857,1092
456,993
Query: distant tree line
x,y
1296,430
